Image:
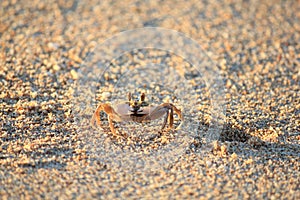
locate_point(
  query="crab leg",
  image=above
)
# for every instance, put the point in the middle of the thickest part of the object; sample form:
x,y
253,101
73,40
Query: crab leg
x,y
111,126
166,108
171,117
165,121
96,116
178,112
111,113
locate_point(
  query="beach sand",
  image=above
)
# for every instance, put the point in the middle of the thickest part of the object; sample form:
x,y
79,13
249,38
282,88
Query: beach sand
x,y
50,85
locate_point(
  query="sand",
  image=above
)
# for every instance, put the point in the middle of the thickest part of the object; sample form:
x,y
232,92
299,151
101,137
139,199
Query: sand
x,y
239,92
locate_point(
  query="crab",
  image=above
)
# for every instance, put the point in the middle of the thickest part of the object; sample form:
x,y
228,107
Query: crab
x,y
136,110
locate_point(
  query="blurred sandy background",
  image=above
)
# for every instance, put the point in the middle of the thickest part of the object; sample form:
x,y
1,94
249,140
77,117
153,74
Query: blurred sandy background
x,y
256,47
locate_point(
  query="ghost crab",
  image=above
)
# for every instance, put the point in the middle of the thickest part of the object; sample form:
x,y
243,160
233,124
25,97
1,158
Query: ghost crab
x,y
136,110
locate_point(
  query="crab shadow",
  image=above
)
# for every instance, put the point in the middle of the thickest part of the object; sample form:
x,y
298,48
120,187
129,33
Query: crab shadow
x,y
241,142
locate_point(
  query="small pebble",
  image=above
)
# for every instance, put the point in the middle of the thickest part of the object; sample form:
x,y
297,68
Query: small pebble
x,y
74,74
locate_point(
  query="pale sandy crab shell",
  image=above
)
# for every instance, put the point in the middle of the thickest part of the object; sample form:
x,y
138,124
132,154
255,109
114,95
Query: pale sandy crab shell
x,y
144,114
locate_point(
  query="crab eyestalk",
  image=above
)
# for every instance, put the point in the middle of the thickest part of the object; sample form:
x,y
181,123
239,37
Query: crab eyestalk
x,y
129,96
143,97
143,103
